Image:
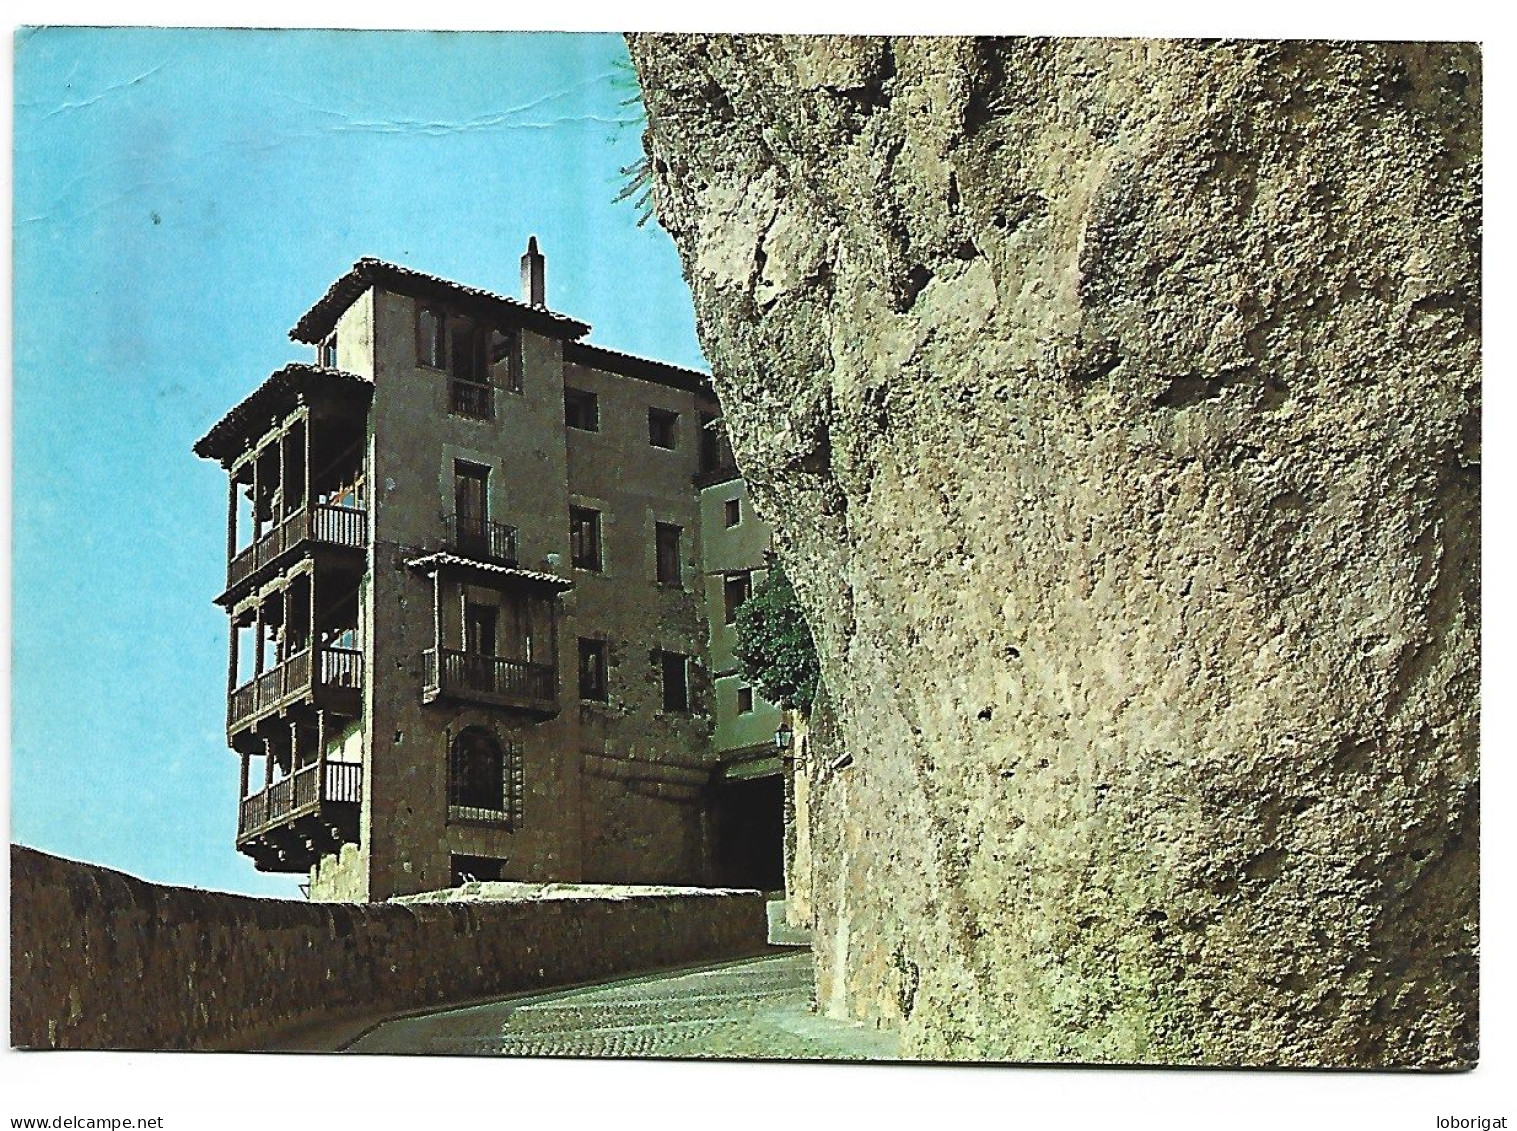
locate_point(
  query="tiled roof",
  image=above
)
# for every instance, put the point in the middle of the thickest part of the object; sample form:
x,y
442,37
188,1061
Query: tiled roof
x,y
316,323
432,562
276,395
630,365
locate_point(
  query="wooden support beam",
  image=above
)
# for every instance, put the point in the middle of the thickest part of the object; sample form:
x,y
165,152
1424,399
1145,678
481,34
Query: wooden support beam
x,y
231,518
281,439
257,515
437,619
308,429
231,672
553,656
321,755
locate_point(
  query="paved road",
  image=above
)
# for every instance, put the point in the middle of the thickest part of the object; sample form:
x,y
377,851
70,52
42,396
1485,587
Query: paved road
x,y
757,1008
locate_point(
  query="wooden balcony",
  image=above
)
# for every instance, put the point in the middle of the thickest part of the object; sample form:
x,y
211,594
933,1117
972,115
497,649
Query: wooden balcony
x,y
481,539
331,678
495,681
324,524
289,825
474,399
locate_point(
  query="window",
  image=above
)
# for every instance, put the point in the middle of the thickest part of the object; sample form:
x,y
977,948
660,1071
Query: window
x,y
584,538
326,353
592,669
459,347
581,410
469,869
430,343
715,451
479,628
471,491
506,359
745,700
466,353
737,589
484,778
666,539
471,508
674,667
734,511
661,427
711,446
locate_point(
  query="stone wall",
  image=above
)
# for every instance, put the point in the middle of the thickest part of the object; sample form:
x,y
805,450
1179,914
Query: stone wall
x,y
1116,407
104,960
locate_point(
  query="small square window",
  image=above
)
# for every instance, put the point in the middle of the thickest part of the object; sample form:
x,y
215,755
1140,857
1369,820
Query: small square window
x,y
745,700
662,428
675,671
734,511
592,669
666,539
326,353
581,410
736,589
584,538
469,869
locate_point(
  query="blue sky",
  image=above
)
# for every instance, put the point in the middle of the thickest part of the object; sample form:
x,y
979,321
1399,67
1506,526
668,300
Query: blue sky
x,y
181,197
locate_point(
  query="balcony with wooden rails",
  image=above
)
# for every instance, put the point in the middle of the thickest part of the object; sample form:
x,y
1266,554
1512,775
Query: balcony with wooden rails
x,y
328,678
288,825
474,399
470,536
495,681
325,525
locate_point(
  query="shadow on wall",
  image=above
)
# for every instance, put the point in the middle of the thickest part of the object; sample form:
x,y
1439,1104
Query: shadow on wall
x,y
102,960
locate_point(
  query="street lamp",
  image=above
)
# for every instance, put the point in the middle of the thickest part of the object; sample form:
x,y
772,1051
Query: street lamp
x,y
783,736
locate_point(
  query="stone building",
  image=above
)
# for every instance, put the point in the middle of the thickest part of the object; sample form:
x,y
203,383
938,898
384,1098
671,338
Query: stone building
x,y
481,581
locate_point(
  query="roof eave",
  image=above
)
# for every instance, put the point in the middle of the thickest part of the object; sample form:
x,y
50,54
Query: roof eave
x,y
219,441
435,562
317,322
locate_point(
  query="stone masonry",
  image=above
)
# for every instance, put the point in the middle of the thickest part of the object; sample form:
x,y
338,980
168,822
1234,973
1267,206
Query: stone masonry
x,y
103,960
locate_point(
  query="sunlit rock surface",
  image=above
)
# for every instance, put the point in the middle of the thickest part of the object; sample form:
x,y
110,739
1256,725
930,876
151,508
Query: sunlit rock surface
x,y
1117,407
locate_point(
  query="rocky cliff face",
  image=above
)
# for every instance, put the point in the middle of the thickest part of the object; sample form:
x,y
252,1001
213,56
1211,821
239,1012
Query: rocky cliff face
x,y
1116,404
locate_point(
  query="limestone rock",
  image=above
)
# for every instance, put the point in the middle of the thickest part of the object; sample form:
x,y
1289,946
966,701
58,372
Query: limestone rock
x,y
1116,404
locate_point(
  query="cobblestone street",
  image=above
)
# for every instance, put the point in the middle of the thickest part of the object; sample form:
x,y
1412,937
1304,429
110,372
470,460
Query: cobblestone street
x,y
757,1008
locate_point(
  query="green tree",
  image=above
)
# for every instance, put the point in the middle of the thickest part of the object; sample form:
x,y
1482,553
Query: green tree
x,y
774,645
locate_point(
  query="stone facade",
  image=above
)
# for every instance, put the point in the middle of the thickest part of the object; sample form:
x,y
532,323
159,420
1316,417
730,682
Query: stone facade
x,y
488,432
102,960
1117,407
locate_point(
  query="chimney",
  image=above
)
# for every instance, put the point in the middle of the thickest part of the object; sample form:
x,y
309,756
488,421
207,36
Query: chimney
x,y
532,267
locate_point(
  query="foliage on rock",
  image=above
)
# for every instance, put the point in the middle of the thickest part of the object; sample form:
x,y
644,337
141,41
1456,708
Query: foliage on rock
x,y
774,644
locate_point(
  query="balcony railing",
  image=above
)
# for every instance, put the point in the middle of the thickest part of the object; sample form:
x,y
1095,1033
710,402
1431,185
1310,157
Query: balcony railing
x,y
340,669
495,679
325,522
302,793
480,538
471,398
